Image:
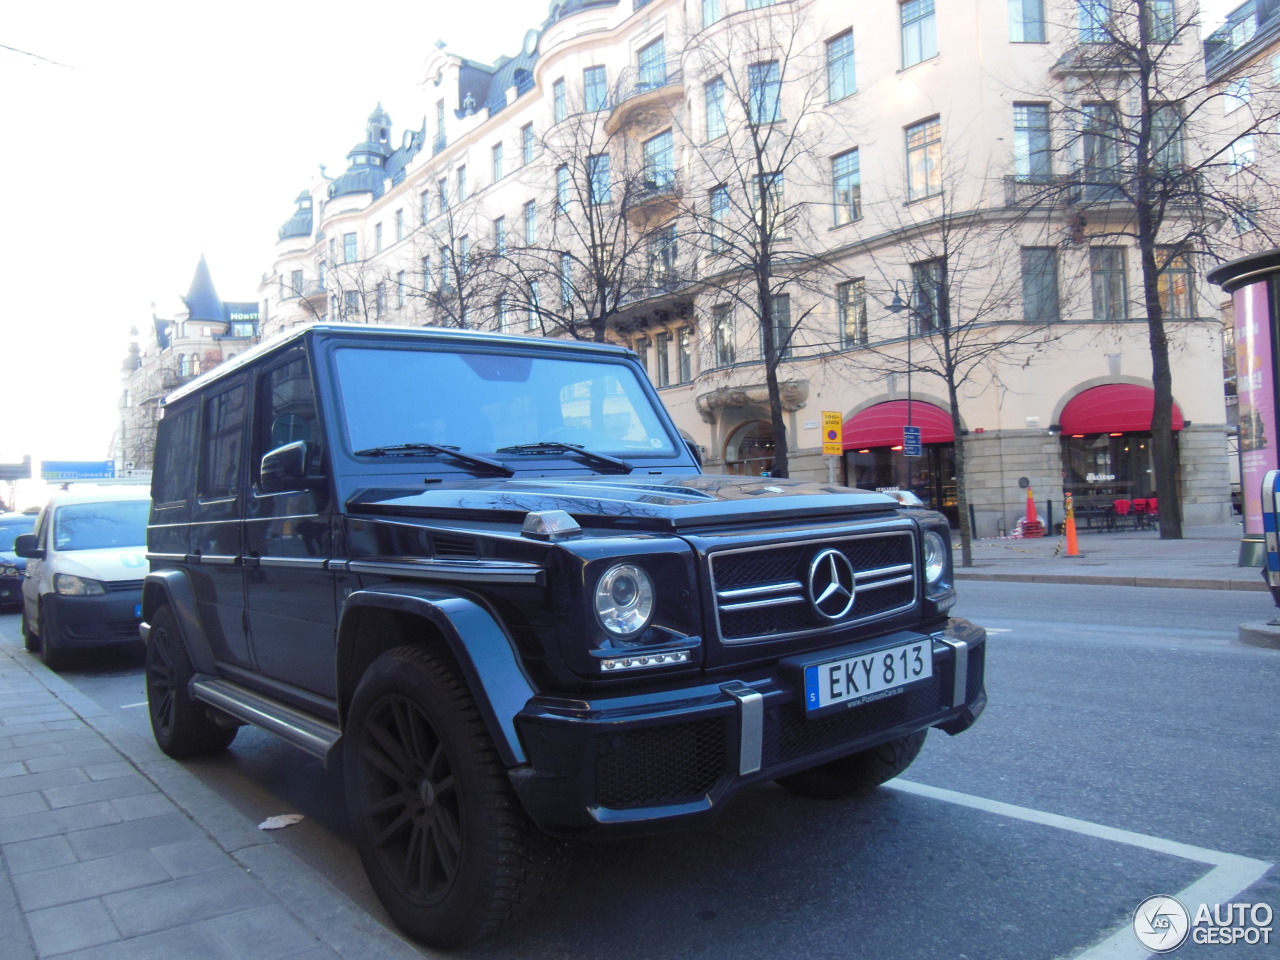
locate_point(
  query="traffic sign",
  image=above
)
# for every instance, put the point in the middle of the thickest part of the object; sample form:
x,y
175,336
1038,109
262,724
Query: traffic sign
x,y
78,470
832,433
16,471
912,445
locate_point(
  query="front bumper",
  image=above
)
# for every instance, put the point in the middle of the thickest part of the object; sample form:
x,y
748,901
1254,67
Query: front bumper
x,y
97,621
10,590
642,763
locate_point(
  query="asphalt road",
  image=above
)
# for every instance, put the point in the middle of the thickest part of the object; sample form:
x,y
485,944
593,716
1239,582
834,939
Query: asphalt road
x,y
1130,712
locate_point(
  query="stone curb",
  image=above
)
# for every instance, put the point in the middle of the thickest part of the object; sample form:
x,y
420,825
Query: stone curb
x,y
1258,634
332,917
1105,580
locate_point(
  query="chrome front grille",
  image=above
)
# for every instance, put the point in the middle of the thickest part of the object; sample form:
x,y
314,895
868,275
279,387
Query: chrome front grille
x,y
763,593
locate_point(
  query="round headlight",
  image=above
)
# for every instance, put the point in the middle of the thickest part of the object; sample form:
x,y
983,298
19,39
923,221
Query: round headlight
x,y
624,600
935,556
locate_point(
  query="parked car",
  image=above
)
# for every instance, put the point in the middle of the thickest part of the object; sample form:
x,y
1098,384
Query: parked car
x,y
86,562
488,573
12,566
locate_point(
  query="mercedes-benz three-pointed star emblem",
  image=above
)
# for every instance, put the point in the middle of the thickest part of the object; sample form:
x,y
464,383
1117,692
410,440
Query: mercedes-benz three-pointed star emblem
x,y
832,587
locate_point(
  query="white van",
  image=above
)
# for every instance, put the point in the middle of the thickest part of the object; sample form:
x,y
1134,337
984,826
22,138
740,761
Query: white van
x,y
85,565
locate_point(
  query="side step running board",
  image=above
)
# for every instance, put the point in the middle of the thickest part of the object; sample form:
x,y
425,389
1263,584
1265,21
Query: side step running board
x,y
315,736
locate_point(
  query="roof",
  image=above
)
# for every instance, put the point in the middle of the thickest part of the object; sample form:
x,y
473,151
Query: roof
x,y
202,299
379,331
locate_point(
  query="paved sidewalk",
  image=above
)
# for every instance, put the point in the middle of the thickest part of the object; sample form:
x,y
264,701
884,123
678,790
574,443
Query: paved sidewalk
x,y
1207,558
111,851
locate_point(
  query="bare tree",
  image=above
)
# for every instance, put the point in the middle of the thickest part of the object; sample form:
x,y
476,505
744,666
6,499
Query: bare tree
x,y
580,260
969,308
1154,163
764,91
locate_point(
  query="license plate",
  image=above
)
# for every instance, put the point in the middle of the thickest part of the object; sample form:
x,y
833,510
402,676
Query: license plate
x,y
852,679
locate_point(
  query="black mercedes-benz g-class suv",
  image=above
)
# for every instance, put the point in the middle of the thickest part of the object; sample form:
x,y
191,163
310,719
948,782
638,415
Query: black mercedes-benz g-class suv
x,y
491,570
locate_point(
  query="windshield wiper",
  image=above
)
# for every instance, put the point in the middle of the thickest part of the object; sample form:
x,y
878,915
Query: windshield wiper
x,y
603,461
416,449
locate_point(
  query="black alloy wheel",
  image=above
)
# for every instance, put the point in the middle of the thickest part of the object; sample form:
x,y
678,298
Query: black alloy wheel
x,y
183,727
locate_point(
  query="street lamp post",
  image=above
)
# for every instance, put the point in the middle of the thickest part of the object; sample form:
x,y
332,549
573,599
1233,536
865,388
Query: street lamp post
x,y
896,307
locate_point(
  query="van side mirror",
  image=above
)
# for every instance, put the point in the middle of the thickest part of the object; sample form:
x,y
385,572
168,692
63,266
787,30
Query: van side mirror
x,y
28,546
285,468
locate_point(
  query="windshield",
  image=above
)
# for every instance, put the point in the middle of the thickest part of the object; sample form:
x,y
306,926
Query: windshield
x,y
94,526
13,527
484,402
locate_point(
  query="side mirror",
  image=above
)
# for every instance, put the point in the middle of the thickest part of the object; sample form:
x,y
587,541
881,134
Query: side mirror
x,y
28,546
285,468
694,451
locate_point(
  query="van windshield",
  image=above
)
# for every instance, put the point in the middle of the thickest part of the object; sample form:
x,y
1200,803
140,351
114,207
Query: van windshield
x,y
96,526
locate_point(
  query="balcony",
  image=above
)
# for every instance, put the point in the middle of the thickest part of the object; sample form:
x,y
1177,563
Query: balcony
x,y
645,94
1050,190
654,199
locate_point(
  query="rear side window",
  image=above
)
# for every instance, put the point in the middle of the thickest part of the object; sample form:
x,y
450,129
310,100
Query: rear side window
x,y
175,471
224,415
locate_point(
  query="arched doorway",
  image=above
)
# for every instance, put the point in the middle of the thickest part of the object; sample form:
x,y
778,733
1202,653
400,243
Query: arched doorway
x,y
749,450
875,460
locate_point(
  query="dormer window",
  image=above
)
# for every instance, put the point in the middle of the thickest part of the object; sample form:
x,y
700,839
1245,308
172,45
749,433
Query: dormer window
x,y
359,160
524,82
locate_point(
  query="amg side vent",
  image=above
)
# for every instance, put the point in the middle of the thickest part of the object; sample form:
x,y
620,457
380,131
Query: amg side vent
x,y
449,547
769,593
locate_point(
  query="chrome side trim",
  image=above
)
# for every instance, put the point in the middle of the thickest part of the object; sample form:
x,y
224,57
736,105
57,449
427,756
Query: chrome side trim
x,y
293,563
217,560
463,571
171,557
750,725
306,732
961,651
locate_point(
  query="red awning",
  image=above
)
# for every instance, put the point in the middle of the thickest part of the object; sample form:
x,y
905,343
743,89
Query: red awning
x,y
1114,408
881,425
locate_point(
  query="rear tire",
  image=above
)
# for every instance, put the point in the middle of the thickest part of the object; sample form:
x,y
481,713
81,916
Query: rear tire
x,y
443,838
857,773
181,724
52,651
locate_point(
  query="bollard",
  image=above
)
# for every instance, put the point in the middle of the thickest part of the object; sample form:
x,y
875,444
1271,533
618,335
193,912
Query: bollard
x,y
1073,544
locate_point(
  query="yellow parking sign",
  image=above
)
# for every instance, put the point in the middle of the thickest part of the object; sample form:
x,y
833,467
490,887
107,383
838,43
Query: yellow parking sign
x,y
832,433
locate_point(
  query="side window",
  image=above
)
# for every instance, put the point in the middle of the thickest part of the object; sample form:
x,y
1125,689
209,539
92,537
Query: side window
x,y
286,411
175,472
224,415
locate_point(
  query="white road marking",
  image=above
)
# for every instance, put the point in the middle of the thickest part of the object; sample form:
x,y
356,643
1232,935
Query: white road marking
x,y
133,706
999,630
1230,875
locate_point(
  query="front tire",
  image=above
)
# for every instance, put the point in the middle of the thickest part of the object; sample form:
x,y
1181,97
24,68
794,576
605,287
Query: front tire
x,y
444,841
858,772
181,724
52,650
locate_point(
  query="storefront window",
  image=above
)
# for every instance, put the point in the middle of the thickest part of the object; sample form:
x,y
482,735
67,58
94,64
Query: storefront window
x,y
1099,468
931,477
749,451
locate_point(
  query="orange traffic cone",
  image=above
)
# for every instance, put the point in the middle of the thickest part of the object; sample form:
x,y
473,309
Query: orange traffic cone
x,y
1031,526
1073,544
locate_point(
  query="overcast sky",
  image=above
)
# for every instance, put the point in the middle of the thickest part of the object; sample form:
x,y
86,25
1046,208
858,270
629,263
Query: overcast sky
x,y
141,134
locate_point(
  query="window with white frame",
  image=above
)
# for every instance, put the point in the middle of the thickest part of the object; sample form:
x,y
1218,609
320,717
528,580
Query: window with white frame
x,y
663,342
399,225
846,187
711,12
1026,21
718,202
929,303
841,79
1040,284
1238,93
764,82
780,323
349,249
1162,20
919,31
600,181
1166,137
428,278
1102,151
528,146
500,235
1109,284
851,311
684,354
401,289
924,159
659,161
595,89
563,191
725,336
559,100
1242,153
535,305
713,95
531,223
1032,146
1093,19
462,182
566,280
495,159
651,62
1176,284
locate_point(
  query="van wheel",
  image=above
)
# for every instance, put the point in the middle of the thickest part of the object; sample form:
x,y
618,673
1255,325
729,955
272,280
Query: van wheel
x,y
446,845
856,773
52,651
181,724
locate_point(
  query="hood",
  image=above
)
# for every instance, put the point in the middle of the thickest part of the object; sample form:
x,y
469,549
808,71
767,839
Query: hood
x,y
109,564
655,503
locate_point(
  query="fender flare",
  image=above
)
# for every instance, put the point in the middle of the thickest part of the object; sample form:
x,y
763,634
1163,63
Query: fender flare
x,y
174,588
480,645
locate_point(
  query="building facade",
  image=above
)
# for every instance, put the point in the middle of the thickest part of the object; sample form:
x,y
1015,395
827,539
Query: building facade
x,y
899,212
172,351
